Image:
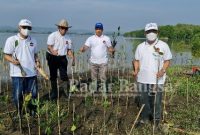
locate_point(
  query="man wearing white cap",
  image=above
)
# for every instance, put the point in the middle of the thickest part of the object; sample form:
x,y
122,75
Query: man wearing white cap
x,y
152,58
59,45
21,51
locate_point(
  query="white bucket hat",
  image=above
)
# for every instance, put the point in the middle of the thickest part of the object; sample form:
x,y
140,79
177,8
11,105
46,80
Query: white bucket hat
x,y
63,23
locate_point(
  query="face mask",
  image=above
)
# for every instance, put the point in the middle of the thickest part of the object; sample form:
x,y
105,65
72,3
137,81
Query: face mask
x,y
151,36
25,32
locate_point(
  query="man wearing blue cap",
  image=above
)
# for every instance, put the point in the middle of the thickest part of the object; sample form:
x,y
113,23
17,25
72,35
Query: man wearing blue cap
x,y
99,45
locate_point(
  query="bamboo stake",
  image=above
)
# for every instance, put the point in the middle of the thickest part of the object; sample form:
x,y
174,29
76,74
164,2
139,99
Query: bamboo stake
x,y
187,92
38,114
136,118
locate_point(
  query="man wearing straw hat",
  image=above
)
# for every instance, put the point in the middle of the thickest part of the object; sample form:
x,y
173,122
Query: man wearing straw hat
x,y
21,51
59,45
152,58
99,45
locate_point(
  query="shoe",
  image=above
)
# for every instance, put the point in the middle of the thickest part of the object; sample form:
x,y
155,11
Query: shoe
x,y
140,123
158,129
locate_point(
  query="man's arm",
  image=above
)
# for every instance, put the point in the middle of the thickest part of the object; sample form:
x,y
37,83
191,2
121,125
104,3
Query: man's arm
x,y
83,48
50,48
136,66
111,49
9,58
164,68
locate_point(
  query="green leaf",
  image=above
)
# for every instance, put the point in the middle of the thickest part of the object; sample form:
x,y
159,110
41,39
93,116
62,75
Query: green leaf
x,y
73,128
73,88
28,97
16,43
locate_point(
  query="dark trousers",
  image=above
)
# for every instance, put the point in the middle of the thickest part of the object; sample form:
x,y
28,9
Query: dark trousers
x,y
151,99
57,63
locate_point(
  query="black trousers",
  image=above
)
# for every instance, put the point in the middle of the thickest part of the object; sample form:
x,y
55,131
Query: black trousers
x,y
57,63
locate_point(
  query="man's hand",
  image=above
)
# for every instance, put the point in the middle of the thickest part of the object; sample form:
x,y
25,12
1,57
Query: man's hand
x,y
54,52
82,49
160,73
15,62
135,73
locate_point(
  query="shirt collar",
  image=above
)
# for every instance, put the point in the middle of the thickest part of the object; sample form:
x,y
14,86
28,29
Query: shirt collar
x,y
60,34
156,41
18,35
98,36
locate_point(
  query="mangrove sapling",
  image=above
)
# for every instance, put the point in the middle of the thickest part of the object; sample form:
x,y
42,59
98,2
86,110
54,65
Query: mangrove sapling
x,y
116,122
73,127
105,105
36,102
26,101
114,41
58,108
0,84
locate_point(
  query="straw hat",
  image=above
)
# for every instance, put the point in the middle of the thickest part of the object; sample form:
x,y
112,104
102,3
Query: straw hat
x,y
63,23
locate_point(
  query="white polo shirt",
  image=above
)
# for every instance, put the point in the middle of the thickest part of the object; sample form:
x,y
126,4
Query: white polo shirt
x,y
149,60
24,50
59,42
98,47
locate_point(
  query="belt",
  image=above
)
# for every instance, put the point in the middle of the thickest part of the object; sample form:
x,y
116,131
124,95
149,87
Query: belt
x,y
57,55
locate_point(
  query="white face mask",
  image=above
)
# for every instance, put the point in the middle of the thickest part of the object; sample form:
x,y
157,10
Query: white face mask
x,y
151,36
25,32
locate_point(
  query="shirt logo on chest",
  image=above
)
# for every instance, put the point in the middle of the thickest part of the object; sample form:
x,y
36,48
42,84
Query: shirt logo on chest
x,y
104,42
66,42
31,44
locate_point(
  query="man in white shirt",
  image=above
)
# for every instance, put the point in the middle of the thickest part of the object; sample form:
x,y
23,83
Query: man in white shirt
x,y
59,45
152,58
100,44
21,51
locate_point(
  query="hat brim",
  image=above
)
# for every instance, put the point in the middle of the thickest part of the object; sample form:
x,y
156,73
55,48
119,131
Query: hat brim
x,y
63,26
151,29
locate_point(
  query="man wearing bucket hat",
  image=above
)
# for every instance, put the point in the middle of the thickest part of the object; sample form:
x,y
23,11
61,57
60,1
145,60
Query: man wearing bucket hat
x,y
21,51
59,45
99,45
152,58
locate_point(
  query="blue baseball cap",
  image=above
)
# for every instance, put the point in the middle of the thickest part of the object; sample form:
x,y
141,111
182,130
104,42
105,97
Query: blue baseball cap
x,y
99,26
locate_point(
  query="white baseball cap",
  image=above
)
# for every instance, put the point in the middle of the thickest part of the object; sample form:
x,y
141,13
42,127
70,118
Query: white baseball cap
x,y
25,22
151,26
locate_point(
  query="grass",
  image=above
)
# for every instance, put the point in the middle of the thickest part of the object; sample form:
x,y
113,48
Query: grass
x,y
96,115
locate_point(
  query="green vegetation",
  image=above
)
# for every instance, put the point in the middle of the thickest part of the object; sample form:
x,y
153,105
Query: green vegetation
x,y
180,36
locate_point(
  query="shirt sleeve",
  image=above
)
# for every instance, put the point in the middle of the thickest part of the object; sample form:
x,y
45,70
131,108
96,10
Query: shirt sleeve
x,y
167,53
9,47
36,47
137,53
51,39
108,42
87,42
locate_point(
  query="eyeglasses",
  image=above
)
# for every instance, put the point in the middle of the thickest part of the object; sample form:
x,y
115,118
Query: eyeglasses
x,y
63,28
150,31
26,27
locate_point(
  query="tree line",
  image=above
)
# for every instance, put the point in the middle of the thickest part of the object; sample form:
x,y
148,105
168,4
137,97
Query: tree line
x,y
185,35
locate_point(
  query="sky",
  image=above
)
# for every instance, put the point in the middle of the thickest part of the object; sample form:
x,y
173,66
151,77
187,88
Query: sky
x,y
83,14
